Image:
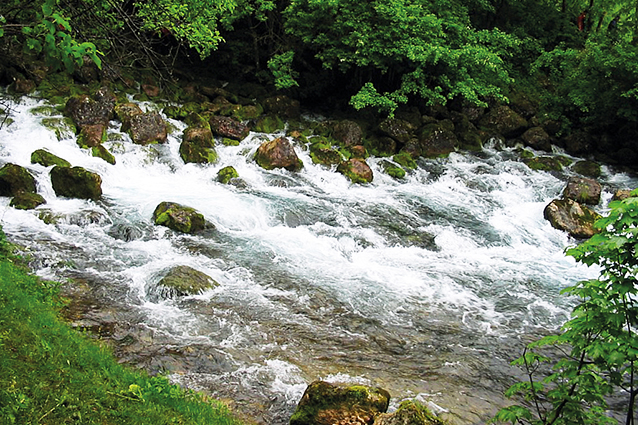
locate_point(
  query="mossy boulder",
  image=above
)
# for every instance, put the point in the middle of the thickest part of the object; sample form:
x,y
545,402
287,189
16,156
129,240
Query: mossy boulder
x,y
63,128
183,281
197,154
278,153
228,127
405,160
248,112
588,169
76,182
570,216
84,110
47,159
91,135
503,121
125,112
201,136
100,151
269,124
226,174
410,412
324,403
392,169
148,128
397,129
15,179
347,133
321,152
179,218
544,163
437,140
583,190
27,201
357,170
382,145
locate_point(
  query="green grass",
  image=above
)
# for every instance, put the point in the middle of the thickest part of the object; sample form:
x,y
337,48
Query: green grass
x,y
52,374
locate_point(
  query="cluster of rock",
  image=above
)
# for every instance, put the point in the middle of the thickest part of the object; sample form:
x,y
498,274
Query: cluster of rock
x,y
325,403
570,213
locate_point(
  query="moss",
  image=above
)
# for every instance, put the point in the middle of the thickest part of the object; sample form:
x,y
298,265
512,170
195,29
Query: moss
x,y
178,217
405,160
527,154
26,201
393,170
64,128
544,163
44,110
101,152
229,142
46,159
248,112
226,174
269,124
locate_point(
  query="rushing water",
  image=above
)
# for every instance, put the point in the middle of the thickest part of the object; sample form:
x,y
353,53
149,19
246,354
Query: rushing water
x,y
427,287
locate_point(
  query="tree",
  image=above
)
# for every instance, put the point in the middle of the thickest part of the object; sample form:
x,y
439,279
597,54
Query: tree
x,y
599,342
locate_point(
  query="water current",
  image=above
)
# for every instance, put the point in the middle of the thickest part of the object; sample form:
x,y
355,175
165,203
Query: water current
x,y
427,286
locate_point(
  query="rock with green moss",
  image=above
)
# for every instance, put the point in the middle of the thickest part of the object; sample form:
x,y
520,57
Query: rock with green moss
x,y
347,133
248,112
381,146
229,142
405,160
357,170
397,129
44,111
437,140
226,174
183,281
47,159
278,153
410,412
544,163
570,216
392,169
588,169
503,121
100,151
228,127
27,201
15,179
62,127
197,146
179,218
269,124
324,403
583,190
125,112
148,128
91,135
197,120
76,182
321,152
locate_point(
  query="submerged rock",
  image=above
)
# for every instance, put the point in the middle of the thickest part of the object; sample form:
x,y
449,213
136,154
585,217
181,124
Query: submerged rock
x,y
583,190
570,216
15,179
179,217
278,153
324,403
410,412
47,159
357,170
76,182
27,201
183,281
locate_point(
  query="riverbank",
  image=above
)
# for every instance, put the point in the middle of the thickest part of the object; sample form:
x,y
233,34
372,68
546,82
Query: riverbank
x,y
53,374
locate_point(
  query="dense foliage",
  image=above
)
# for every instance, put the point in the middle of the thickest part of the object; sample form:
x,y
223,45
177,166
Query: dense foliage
x,y
600,343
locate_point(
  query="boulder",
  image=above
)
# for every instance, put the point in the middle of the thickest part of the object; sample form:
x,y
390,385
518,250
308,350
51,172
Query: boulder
x,y
358,151
147,128
324,403
544,163
570,216
101,152
410,412
588,169
321,154
283,106
392,169
198,146
228,127
537,138
397,129
91,135
125,112
179,217
15,179
357,170
583,190
183,281
76,182
621,195
269,124
347,133
226,174
47,159
437,140
579,142
84,110
278,153
503,121
27,201
405,160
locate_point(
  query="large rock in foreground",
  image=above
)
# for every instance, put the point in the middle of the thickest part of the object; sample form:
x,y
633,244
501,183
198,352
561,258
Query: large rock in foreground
x,y
183,281
15,179
76,182
324,403
179,217
278,153
570,216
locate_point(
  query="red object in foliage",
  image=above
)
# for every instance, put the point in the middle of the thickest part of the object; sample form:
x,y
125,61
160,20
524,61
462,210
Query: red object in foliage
x,y
581,21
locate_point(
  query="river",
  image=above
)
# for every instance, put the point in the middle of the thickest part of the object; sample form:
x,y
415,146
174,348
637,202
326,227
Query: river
x,y
427,286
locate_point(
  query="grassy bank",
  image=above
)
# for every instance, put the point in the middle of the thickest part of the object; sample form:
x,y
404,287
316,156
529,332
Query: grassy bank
x,y
52,374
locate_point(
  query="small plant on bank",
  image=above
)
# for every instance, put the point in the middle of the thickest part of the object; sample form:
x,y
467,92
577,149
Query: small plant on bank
x,y
599,343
